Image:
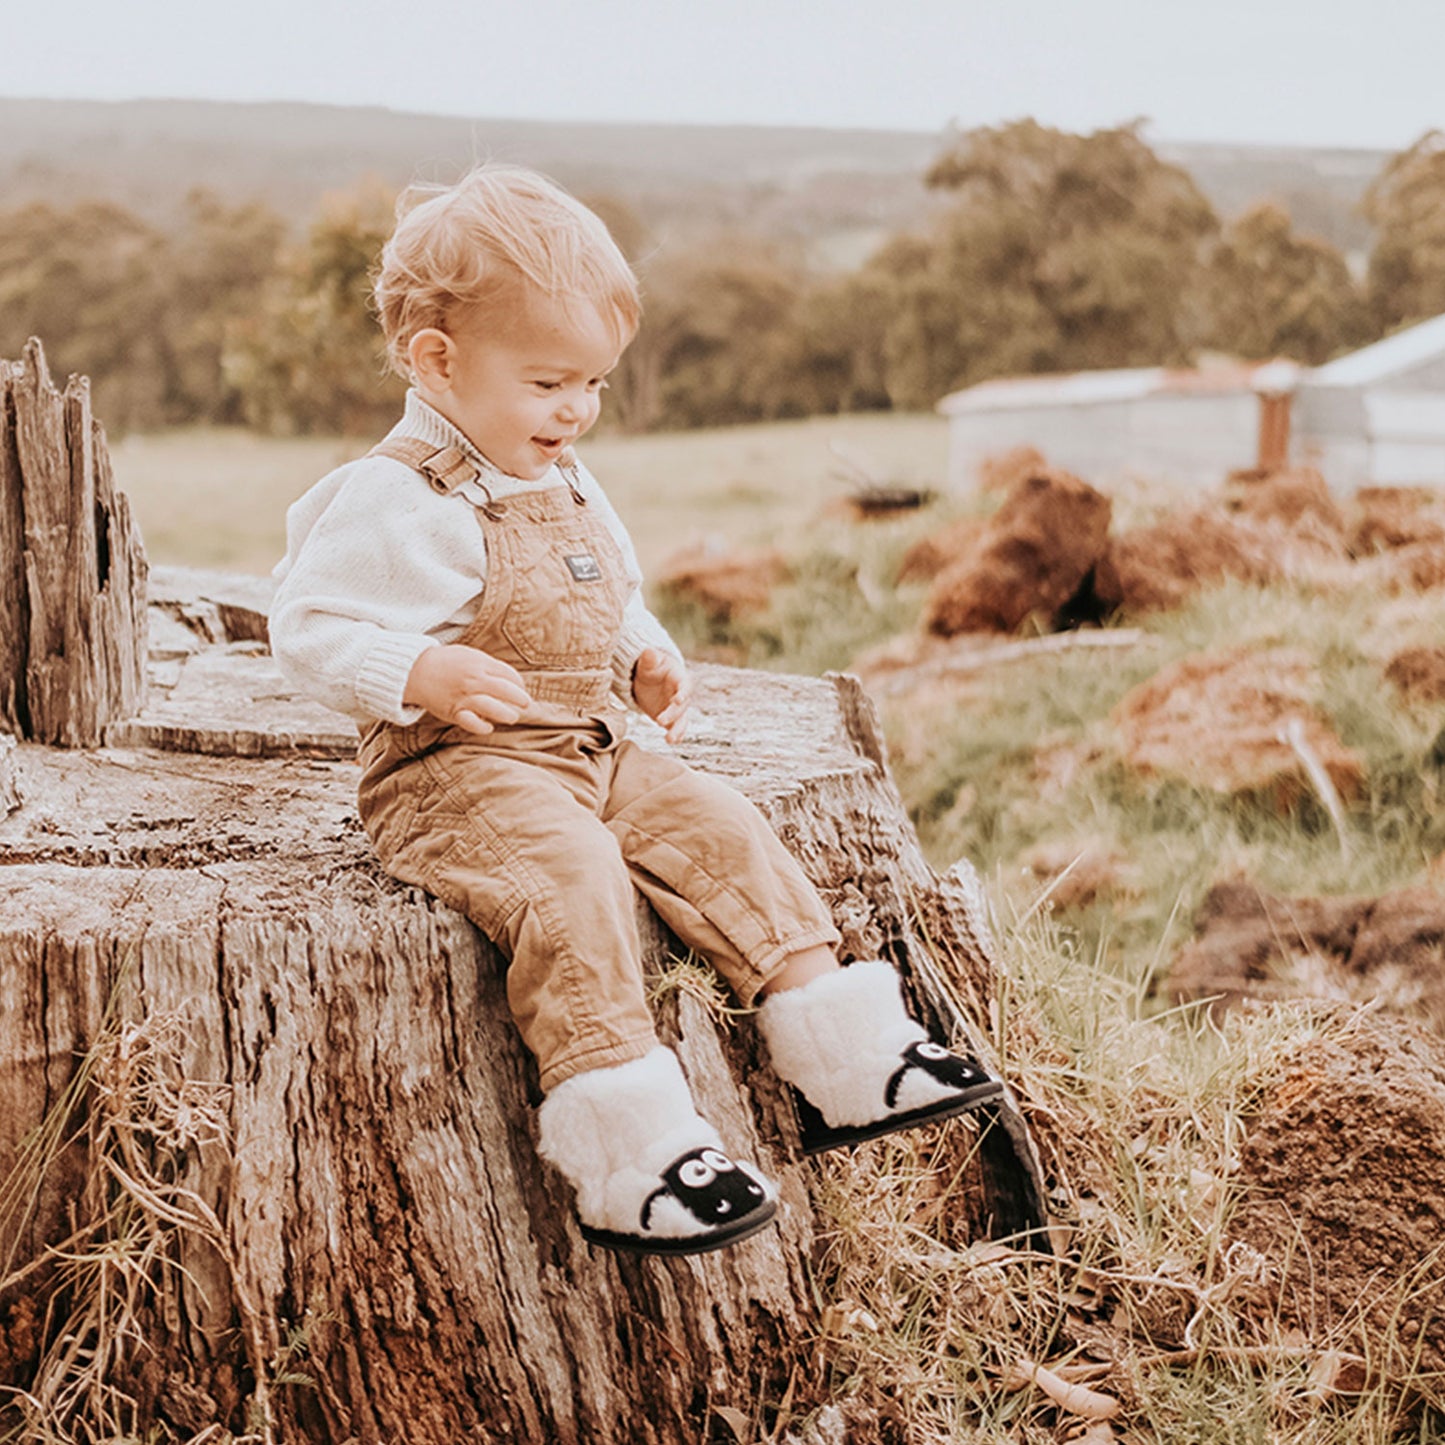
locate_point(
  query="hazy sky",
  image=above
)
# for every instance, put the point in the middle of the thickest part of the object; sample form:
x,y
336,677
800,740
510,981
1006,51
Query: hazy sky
x,y
1327,72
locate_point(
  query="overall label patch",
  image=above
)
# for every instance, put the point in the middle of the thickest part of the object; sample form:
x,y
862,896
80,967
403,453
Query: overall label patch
x,y
583,567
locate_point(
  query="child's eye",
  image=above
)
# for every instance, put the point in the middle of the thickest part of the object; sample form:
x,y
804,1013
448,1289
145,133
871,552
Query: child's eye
x,y
546,385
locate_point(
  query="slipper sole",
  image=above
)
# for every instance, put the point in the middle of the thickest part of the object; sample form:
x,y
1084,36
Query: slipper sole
x,y
817,1137
741,1228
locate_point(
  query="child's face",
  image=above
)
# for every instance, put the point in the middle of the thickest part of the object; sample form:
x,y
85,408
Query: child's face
x,y
524,389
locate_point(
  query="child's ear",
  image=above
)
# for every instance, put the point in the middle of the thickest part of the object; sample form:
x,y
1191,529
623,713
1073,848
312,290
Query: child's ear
x,y
432,355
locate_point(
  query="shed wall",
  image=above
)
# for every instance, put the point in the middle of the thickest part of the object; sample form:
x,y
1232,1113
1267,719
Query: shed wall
x,y
1194,440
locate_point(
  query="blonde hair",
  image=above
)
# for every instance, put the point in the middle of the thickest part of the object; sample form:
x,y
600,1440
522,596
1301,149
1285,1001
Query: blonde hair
x,y
498,230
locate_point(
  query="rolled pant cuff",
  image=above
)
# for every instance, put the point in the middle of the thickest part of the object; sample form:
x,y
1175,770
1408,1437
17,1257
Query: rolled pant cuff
x,y
772,963
597,1056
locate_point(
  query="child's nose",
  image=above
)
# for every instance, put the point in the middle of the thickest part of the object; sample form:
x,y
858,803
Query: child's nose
x,y
575,406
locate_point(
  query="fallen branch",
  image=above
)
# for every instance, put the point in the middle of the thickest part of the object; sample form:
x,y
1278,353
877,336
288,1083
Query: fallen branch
x,y
974,657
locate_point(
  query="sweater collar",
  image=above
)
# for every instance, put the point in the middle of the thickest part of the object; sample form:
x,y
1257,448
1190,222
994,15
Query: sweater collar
x,y
425,422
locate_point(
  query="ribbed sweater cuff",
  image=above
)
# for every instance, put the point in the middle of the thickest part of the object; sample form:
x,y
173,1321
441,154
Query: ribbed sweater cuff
x,y
630,646
381,683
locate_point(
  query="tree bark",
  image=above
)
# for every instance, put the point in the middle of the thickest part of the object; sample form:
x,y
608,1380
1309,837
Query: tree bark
x,y
369,1210
72,568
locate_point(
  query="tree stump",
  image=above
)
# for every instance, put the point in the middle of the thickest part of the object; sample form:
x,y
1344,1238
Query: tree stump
x,y
72,568
280,1093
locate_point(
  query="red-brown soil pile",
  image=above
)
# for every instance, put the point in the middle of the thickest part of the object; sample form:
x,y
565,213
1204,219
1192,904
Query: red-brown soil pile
x,y
1343,1176
725,585
1047,552
1003,471
1217,721
1161,565
1265,528
1415,567
1031,559
1249,944
1398,535
1419,673
1390,517
1298,500
928,556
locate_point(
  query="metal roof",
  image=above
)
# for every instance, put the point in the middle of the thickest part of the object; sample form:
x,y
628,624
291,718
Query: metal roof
x,y
1403,351
1093,388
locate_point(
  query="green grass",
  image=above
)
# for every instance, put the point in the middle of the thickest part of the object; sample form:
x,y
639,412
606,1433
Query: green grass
x,y
974,784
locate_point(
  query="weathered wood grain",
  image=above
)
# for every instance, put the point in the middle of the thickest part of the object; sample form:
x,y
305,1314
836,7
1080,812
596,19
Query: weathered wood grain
x,y
73,574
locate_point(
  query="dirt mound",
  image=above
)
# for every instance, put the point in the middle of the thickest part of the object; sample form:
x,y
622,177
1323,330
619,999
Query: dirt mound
x,y
1386,951
930,555
724,584
1419,673
1343,1179
1001,472
1218,721
1079,871
1031,558
1047,552
1389,517
1412,567
1160,565
1296,499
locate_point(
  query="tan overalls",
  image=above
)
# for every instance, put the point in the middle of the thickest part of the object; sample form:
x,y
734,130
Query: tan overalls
x,y
540,831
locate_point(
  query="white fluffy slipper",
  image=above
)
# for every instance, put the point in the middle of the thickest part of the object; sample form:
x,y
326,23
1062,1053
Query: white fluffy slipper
x,y
859,1066
651,1175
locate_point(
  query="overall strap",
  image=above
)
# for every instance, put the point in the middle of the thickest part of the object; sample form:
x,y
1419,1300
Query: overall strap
x,y
445,468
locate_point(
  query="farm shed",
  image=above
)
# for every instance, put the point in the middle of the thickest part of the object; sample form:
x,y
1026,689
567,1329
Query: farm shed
x,y
1183,425
1376,415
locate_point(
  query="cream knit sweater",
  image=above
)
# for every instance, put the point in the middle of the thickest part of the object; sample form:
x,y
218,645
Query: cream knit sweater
x,y
379,567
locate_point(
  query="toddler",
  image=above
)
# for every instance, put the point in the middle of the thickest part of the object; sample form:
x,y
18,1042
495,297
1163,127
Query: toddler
x,y
466,592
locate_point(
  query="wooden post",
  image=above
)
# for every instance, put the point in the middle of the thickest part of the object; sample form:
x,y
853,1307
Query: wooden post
x,y
1274,384
72,567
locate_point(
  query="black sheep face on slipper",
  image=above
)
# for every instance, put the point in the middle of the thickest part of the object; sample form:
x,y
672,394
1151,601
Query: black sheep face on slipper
x,y
709,1186
953,1071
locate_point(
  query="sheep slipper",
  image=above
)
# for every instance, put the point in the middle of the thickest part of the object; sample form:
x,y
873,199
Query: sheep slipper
x,y
858,1065
651,1176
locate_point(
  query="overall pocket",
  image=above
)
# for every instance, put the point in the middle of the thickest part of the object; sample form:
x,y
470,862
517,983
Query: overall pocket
x,y
567,593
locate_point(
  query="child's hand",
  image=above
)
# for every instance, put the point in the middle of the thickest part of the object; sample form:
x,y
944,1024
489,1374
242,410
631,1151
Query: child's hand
x,y
663,690
467,687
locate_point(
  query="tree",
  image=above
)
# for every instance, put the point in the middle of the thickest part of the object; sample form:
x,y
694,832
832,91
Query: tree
x,y
1269,291
311,359
715,343
1060,252
833,356
143,313
220,262
1406,205
90,282
956,311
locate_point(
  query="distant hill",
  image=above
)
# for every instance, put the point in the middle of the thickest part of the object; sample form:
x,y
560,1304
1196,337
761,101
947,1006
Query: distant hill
x,y
1321,189
833,191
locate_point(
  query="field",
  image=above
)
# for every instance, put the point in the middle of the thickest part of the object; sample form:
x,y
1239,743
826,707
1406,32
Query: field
x,y
1190,1312
209,498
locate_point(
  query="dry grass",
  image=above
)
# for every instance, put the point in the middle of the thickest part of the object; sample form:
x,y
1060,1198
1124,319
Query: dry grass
x,y
104,1288
1151,1323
